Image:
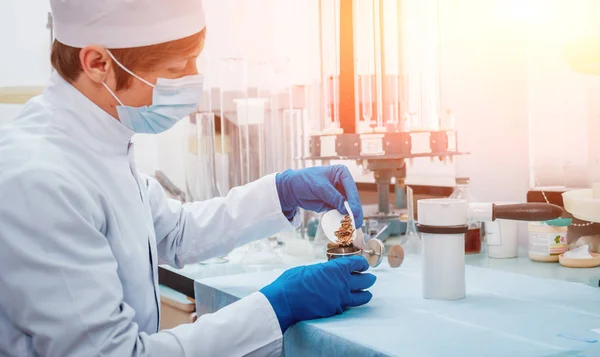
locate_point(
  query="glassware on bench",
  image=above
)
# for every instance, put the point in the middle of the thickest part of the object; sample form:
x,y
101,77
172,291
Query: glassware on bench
x,y
473,237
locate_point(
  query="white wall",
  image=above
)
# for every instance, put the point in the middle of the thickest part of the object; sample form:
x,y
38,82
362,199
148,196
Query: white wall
x,y
24,42
483,81
25,47
559,98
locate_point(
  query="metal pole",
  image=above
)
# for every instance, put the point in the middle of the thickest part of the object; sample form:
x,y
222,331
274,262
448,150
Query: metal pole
x,y
347,106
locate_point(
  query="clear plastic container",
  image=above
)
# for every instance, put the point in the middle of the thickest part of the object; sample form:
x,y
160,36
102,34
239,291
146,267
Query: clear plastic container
x,y
473,237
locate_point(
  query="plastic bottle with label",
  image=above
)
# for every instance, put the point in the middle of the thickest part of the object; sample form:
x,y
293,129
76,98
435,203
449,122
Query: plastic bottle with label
x,y
473,236
548,240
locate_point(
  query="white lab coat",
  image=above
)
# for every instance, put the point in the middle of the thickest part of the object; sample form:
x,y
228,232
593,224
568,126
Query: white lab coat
x,y
82,233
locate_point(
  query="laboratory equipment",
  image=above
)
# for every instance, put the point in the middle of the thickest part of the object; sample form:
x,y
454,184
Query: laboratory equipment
x,y
369,74
443,224
473,236
203,185
233,85
373,251
251,114
200,166
443,274
411,241
243,114
201,169
340,252
373,254
284,129
395,256
347,241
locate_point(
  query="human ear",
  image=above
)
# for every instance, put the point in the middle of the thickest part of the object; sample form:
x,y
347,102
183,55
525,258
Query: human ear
x,y
96,63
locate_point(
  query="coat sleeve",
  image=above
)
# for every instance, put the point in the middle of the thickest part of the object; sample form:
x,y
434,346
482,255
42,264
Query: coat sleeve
x,y
59,283
193,232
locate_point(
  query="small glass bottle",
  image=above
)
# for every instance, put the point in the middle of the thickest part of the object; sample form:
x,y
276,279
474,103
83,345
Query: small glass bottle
x,y
473,236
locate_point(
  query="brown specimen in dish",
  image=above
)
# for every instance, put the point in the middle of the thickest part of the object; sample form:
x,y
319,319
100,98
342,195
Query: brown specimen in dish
x,y
332,245
345,232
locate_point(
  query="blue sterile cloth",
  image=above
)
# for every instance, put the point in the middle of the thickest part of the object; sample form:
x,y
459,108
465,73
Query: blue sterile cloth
x,y
504,314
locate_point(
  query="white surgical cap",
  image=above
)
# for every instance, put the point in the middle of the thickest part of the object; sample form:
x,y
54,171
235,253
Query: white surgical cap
x,y
125,23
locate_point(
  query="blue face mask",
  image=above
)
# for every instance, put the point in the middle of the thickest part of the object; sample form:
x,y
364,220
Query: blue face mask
x,y
172,100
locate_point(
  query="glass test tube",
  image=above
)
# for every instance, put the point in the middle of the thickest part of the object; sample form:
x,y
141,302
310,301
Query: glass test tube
x,y
313,107
429,63
203,63
256,141
295,118
304,127
336,65
378,64
291,119
277,103
414,103
367,97
252,114
393,107
266,83
393,65
365,61
288,108
205,129
357,85
233,86
421,89
208,168
329,40
194,178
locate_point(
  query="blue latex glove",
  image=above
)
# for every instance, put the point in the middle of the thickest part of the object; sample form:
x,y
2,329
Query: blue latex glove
x,y
319,189
320,290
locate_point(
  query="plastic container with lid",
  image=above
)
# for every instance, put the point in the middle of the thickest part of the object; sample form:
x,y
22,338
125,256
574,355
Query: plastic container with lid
x,y
462,191
548,240
443,224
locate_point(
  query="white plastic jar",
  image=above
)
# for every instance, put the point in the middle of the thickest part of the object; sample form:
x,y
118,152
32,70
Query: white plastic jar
x,y
443,224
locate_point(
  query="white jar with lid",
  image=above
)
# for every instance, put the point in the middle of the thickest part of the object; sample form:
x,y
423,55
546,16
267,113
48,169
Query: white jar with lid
x,y
548,240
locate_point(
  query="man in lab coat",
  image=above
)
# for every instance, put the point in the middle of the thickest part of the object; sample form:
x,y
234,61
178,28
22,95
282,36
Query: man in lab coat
x,y
82,232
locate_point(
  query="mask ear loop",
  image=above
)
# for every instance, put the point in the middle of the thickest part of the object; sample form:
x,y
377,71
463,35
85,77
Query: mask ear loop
x,y
113,94
127,70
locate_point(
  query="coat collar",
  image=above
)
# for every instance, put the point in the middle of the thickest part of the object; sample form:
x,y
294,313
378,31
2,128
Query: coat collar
x,y
87,122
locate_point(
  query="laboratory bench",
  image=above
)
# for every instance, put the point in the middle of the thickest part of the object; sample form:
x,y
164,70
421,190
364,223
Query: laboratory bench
x,y
514,307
